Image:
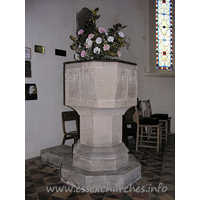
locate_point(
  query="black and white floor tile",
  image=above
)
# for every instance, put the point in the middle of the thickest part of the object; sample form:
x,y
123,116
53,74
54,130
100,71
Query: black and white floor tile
x,y
157,182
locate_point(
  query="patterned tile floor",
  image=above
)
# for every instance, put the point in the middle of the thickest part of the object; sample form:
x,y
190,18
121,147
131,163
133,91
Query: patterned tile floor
x,y
157,182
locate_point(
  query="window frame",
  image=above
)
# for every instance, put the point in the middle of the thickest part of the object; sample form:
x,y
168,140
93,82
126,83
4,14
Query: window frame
x,y
150,69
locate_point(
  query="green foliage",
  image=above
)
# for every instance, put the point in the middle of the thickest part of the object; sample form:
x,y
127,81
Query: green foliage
x,y
97,43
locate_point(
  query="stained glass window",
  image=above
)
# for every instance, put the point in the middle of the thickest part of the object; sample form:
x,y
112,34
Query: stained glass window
x,y
164,39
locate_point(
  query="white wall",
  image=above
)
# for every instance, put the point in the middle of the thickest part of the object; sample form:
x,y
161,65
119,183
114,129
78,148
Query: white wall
x,y
160,90
50,23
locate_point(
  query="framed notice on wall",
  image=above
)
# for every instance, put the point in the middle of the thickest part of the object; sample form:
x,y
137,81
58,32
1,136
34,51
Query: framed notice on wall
x,y
27,68
27,53
30,91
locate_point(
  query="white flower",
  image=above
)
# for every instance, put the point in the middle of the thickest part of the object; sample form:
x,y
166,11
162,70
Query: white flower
x,y
77,57
89,42
97,50
121,34
110,39
98,40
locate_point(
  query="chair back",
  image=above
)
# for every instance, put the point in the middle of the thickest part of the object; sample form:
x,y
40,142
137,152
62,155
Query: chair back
x,y
129,125
148,110
70,116
140,110
129,115
138,114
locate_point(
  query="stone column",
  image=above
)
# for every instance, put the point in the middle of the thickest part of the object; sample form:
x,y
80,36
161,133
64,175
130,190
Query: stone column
x,y
101,92
100,147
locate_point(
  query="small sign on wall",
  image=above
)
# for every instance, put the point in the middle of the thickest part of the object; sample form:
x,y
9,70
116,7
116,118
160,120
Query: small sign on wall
x,y
27,53
30,92
60,52
27,68
39,49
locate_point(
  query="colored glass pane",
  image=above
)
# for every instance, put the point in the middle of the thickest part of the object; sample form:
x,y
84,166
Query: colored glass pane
x,y
164,49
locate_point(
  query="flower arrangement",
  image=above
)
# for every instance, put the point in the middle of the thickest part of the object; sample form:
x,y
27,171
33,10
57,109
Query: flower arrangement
x,y
98,43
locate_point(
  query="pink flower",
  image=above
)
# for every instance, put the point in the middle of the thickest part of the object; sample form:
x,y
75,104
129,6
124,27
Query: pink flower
x,y
102,30
106,47
83,53
119,53
91,35
80,31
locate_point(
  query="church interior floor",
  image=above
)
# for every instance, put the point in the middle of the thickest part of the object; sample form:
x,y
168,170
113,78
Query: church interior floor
x,y
157,181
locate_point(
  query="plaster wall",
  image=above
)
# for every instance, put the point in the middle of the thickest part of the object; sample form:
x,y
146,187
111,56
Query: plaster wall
x,y
50,23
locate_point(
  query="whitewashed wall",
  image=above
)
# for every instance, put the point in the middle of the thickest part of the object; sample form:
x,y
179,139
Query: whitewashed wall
x,y
50,23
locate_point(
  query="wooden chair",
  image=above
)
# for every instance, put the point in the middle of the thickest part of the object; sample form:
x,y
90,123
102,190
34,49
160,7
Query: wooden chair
x,y
148,130
129,126
70,116
162,118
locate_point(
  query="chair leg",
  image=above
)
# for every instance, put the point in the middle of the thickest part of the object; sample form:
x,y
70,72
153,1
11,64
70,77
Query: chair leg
x,y
125,138
137,138
169,125
158,141
166,131
75,139
161,130
149,130
64,138
141,137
